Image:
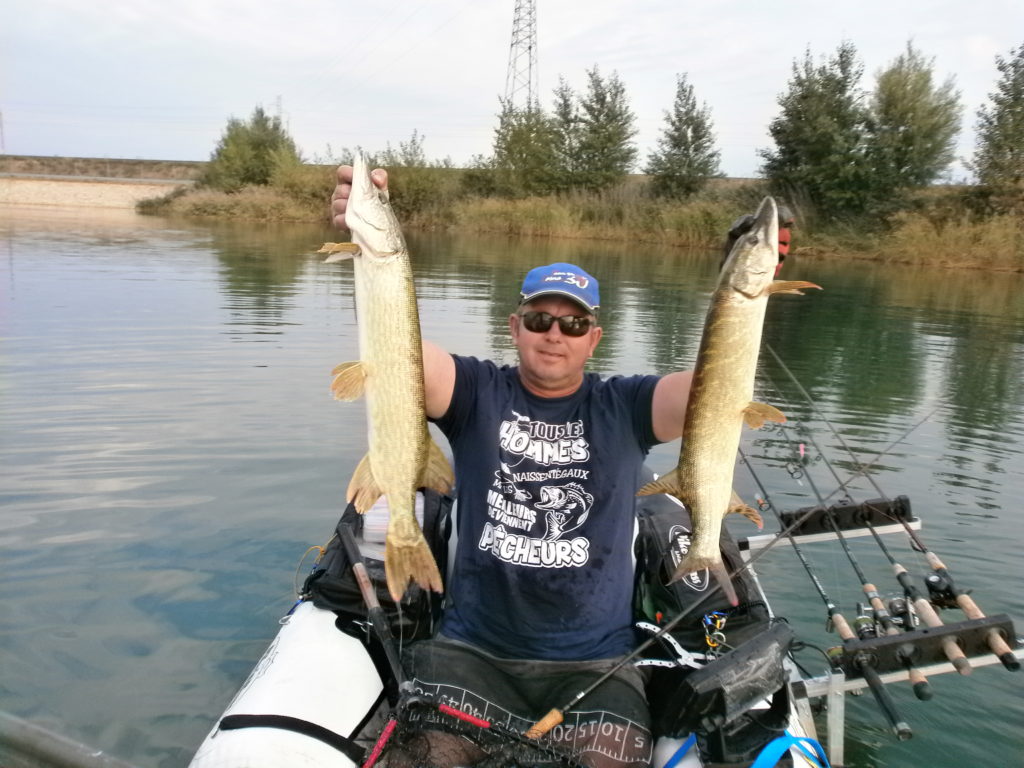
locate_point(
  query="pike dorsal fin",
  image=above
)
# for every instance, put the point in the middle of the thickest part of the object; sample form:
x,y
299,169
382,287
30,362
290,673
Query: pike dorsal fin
x,y
363,490
740,507
437,472
667,483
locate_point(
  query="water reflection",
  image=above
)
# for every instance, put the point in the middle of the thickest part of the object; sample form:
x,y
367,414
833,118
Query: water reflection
x,y
161,478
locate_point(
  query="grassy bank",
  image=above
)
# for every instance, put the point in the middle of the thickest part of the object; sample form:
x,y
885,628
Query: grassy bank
x,y
938,226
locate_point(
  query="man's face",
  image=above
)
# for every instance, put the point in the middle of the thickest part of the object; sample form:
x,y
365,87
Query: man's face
x,y
550,362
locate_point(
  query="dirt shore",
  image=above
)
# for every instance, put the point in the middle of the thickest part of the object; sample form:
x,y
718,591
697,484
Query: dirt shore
x,y
79,192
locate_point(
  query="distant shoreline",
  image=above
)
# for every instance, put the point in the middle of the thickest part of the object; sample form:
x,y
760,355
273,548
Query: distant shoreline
x,y
82,192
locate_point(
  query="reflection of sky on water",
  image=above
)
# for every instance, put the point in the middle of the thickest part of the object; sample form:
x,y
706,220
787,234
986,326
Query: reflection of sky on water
x,y
169,446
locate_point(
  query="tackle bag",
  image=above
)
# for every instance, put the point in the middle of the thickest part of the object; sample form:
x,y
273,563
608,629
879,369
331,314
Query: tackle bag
x,y
715,627
332,585
662,542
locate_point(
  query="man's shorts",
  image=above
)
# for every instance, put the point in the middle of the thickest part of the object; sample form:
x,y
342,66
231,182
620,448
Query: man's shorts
x,y
609,728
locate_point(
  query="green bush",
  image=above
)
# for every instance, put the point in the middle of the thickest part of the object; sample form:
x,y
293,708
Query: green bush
x,y
249,152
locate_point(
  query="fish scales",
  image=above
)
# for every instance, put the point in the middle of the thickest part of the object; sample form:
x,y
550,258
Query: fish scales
x,y
402,456
721,393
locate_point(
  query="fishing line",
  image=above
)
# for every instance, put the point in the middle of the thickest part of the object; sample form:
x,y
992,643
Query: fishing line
x,y
836,433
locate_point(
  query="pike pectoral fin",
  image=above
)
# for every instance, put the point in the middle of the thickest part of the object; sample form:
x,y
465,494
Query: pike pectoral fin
x,y
667,483
407,557
362,488
756,414
339,251
437,472
349,381
790,286
716,568
740,507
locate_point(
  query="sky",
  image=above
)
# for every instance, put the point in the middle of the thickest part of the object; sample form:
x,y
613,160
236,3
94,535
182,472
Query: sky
x,y
153,79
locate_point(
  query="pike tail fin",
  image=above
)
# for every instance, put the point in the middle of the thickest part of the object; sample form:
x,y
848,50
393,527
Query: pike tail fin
x,y
407,557
717,569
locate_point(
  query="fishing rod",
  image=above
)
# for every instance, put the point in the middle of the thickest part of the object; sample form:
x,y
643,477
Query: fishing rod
x,y
954,653
942,581
847,635
905,653
924,608
556,715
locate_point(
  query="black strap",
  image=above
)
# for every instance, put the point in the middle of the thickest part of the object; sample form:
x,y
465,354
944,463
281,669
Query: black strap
x,y
343,744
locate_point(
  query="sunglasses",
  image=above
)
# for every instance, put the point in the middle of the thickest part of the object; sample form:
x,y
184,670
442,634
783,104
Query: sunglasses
x,y
570,325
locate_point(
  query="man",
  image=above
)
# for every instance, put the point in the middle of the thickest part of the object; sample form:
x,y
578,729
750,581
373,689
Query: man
x,y
547,463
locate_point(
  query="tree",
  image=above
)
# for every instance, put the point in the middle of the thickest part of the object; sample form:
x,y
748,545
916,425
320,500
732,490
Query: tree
x,y
913,124
605,132
249,152
686,156
999,152
525,152
566,124
820,154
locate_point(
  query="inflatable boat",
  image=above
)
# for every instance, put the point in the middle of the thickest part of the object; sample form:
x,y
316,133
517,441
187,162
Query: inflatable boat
x,y
327,692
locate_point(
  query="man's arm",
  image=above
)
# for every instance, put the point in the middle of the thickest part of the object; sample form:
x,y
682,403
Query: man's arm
x,y
438,366
668,406
438,379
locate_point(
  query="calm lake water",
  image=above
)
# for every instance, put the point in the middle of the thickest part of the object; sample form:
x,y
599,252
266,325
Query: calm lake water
x,y
169,449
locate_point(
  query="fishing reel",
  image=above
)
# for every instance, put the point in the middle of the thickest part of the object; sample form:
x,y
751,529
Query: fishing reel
x,y
864,623
903,615
940,591
867,624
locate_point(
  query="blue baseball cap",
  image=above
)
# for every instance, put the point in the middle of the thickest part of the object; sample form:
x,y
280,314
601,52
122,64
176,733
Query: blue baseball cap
x,y
562,280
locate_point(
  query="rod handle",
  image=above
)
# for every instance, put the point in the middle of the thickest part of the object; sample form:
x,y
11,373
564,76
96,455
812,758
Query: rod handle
x,y
842,628
545,724
899,726
378,619
953,651
922,690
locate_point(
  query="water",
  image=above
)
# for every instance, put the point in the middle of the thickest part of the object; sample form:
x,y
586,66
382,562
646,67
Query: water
x,y
169,449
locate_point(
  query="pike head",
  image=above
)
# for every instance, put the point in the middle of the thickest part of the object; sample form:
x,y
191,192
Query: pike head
x,y
750,268
370,218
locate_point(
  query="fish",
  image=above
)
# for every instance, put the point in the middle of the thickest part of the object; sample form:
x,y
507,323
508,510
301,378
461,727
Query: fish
x,y
721,395
402,456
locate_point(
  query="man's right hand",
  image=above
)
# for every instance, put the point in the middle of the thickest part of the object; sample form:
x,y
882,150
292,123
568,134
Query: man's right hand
x,y
339,199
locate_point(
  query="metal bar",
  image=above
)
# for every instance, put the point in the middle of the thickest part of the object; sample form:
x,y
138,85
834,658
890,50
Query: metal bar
x,y
816,687
754,543
836,721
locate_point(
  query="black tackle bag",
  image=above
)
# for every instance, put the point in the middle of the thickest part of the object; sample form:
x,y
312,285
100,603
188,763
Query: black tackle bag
x,y
332,585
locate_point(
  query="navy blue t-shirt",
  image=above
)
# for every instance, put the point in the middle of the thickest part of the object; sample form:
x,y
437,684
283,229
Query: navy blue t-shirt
x,y
546,499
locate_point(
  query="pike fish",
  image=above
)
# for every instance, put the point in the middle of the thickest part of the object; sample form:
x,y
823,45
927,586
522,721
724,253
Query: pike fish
x,y
721,395
402,456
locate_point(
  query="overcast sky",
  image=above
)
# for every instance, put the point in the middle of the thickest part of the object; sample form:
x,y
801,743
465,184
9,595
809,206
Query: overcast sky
x,y
158,79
